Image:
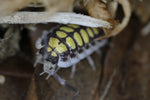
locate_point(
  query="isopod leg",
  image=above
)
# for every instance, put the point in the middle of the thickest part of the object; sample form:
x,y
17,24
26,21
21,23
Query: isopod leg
x,y
98,52
91,62
73,70
73,89
59,79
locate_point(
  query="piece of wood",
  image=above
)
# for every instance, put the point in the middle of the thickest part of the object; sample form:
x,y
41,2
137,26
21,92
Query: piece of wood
x,y
126,66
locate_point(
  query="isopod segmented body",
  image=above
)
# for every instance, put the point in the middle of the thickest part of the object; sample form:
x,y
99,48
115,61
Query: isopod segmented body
x,y
65,45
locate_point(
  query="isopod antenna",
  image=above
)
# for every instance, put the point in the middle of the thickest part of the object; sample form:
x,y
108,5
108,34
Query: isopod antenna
x,y
62,82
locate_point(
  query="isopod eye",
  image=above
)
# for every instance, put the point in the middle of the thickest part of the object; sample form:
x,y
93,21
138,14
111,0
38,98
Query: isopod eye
x,y
41,51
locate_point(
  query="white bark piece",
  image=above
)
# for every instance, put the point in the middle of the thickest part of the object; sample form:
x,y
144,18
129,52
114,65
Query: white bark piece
x,y
62,17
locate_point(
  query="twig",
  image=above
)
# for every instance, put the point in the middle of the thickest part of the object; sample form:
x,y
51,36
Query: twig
x,y
108,85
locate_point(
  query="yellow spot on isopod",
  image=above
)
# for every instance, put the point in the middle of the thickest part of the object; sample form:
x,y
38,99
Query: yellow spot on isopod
x,y
54,54
73,25
67,29
90,32
95,31
70,42
78,39
49,49
84,36
61,34
55,43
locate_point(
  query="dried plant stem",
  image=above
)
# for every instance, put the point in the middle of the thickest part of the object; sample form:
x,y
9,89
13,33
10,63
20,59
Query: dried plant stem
x,y
127,12
113,5
46,17
8,7
108,85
